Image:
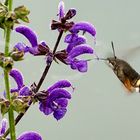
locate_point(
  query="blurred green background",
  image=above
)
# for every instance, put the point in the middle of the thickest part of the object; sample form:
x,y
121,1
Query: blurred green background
x,y
101,108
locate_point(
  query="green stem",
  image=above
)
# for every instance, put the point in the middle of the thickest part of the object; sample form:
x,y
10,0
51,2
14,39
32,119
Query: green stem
x,y
10,3
10,112
6,78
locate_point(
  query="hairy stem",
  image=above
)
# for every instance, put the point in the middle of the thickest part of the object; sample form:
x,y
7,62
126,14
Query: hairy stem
x,y
39,83
6,78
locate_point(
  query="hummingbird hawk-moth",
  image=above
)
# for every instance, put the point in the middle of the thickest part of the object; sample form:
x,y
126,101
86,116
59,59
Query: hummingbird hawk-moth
x,y
125,73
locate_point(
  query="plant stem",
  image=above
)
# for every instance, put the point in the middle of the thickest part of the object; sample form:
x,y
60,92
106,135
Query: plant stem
x,y
48,67
10,112
18,118
6,78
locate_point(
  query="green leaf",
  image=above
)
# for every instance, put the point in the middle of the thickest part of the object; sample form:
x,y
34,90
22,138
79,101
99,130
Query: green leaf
x,y
19,106
4,105
21,11
3,10
25,19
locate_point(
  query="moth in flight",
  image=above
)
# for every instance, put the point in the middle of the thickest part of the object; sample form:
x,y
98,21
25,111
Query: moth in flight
x,y
125,73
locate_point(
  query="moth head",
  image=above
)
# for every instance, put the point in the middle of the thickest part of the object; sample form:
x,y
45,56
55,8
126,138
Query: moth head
x,y
112,61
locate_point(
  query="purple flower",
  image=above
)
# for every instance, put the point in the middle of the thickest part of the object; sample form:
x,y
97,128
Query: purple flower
x,y
56,100
17,76
77,46
28,33
61,10
3,126
21,88
74,40
63,24
75,63
35,48
29,135
84,26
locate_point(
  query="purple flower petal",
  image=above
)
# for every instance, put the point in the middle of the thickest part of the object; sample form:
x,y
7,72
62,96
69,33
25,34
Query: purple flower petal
x,y
78,41
59,113
25,91
28,33
30,135
80,65
14,90
59,93
43,108
80,49
34,50
70,38
3,126
56,94
84,26
70,14
17,76
62,102
59,84
21,47
61,10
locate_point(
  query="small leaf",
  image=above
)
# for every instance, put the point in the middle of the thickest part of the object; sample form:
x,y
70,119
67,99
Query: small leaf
x,y
17,55
25,19
5,105
8,63
21,11
3,10
19,106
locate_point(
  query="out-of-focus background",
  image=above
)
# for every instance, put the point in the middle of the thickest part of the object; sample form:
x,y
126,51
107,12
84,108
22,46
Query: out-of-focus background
x,y
101,108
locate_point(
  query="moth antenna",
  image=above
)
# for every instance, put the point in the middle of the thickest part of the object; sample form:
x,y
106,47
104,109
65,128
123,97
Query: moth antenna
x,y
112,44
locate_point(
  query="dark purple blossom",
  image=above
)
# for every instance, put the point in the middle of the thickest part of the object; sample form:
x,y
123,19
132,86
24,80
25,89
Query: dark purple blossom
x,y
56,100
21,88
74,62
35,48
17,76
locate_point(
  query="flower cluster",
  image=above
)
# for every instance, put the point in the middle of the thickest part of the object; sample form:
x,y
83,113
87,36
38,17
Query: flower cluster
x,y
53,100
57,99
76,43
